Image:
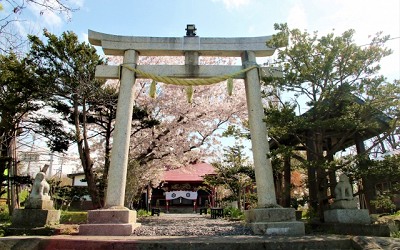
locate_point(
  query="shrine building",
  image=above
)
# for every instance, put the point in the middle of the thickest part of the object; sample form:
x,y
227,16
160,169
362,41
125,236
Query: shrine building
x,y
182,190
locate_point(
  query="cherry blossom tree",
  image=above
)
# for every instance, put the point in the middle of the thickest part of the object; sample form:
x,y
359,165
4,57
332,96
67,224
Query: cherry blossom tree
x,y
187,132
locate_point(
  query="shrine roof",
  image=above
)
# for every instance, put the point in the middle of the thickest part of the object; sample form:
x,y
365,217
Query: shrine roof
x,y
193,172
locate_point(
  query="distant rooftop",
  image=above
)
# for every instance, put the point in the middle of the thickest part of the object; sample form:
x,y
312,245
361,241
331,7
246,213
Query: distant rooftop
x,y
193,172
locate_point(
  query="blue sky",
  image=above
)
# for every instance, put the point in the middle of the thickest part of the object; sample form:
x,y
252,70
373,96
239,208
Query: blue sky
x,y
225,18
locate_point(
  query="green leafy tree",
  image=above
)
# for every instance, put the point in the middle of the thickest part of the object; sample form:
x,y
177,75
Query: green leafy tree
x,y
83,101
18,92
233,172
70,66
339,83
385,173
20,96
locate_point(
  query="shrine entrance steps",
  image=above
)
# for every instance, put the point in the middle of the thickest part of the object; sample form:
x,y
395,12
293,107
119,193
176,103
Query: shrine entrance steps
x,y
180,210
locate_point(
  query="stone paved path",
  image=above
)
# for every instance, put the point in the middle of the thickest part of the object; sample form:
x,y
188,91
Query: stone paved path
x,y
203,225
188,225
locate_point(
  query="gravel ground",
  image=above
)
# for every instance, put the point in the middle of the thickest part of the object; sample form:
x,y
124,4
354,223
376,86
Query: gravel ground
x,y
188,225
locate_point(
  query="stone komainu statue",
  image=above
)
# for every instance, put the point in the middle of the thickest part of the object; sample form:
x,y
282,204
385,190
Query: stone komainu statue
x,y
40,188
343,190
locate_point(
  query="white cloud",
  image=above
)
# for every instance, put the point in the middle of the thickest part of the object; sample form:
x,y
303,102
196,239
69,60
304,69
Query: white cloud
x,y
231,4
84,37
368,17
251,29
297,18
77,3
46,18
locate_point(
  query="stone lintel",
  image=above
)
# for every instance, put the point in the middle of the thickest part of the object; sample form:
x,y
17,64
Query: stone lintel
x,y
111,216
355,216
278,228
179,71
177,46
270,215
120,229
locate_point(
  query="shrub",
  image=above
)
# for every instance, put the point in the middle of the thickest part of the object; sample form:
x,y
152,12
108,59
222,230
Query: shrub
x,y
385,201
143,212
3,229
310,214
233,212
4,214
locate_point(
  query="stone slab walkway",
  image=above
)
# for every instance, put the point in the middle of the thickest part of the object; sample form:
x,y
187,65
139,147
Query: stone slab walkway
x,y
189,225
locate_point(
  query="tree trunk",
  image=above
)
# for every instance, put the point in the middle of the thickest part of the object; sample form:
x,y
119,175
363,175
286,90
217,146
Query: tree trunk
x,y
322,185
239,197
5,157
368,189
12,172
322,193
84,154
332,179
279,189
312,180
286,201
107,160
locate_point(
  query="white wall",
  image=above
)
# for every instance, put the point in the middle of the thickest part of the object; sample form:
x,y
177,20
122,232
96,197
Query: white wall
x,y
78,182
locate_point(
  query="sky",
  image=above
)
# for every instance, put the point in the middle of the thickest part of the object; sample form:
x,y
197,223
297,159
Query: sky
x,y
224,18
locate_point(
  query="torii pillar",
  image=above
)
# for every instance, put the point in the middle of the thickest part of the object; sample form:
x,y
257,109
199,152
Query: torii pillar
x,y
268,218
116,219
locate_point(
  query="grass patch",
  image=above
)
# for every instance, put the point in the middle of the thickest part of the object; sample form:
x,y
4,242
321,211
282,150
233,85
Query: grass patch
x,y
142,212
68,217
23,195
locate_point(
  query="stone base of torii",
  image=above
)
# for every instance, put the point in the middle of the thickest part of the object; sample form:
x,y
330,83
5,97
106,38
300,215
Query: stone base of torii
x,y
274,221
267,218
112,221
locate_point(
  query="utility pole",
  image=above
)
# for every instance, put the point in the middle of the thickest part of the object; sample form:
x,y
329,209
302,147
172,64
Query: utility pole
x,y
51,165
30,157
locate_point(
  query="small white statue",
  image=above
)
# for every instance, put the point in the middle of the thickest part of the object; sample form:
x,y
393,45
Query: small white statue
x,y
40,188
343,190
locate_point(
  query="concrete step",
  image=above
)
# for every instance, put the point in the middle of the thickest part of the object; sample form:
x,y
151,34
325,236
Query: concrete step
x,y
178,243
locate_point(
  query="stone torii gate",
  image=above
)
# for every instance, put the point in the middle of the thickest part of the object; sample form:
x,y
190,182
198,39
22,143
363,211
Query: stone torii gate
x,y
115,217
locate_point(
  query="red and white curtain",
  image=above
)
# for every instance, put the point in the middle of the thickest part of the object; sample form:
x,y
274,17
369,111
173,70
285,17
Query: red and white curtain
x,y
184,194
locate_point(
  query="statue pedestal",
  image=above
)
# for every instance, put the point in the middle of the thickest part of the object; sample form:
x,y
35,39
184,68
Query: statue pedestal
x,y
274,221
37,213
344,204
355,216
31,203
38,210
112,222
35,217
